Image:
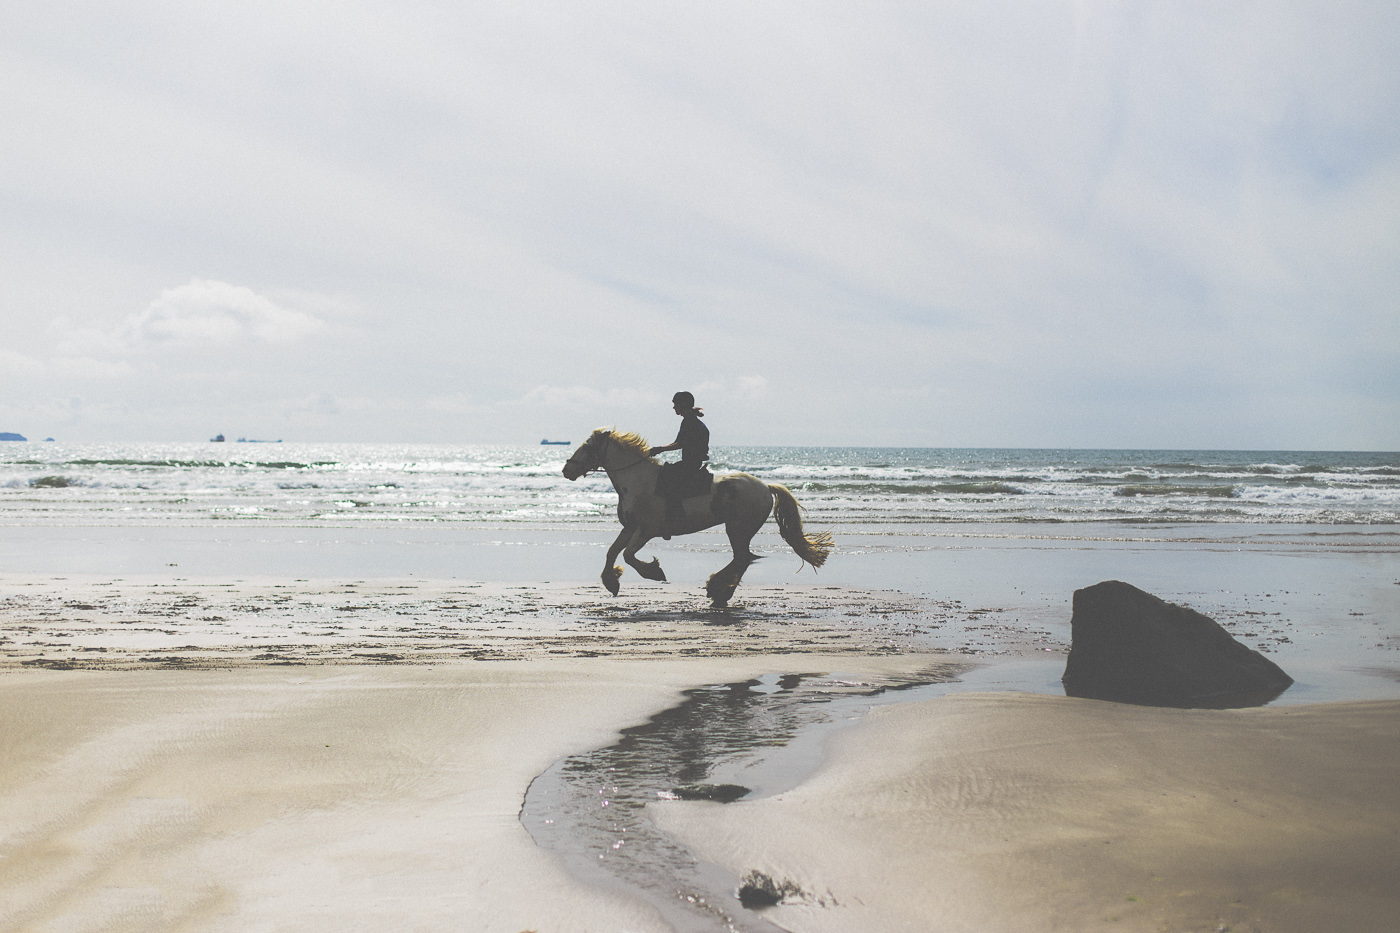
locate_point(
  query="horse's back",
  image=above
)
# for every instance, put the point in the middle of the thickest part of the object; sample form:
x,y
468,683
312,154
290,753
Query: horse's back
x,y
740,496
742,483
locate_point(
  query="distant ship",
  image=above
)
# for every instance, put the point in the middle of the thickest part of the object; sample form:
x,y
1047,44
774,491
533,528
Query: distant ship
x,y
216,439
565,443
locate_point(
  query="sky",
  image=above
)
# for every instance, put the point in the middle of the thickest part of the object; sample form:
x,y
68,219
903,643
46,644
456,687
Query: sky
x,y
947,224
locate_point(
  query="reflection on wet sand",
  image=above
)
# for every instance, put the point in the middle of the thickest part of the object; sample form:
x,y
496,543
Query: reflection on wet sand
x,y
590,809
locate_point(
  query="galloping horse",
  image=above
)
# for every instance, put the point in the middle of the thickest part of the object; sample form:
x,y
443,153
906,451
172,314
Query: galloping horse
x,y
739,501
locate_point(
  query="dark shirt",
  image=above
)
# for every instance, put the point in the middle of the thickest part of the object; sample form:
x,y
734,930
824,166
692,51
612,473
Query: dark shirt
x,y
694,439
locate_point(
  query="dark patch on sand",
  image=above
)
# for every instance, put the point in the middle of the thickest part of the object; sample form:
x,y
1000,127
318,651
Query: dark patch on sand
x,y
121,624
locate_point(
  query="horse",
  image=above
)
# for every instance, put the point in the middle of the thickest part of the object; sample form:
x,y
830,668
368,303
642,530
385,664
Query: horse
x,y
742,503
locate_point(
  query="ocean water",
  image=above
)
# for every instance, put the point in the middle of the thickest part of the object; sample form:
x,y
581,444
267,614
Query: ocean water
x,y
333,485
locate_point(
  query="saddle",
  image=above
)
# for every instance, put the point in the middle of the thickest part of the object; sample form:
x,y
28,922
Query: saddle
x,y
675,481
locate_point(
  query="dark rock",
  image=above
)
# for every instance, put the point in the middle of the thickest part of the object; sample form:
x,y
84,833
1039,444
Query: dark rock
x,y
757,891
1128,646
722,793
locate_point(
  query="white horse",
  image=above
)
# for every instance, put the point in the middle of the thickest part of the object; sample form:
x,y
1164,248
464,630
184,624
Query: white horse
x,y
739,501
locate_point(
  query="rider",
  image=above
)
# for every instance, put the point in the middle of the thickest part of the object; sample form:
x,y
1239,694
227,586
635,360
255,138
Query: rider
x,y
693,441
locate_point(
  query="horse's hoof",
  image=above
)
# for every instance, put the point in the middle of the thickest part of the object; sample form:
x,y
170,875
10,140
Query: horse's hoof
x,y
610,578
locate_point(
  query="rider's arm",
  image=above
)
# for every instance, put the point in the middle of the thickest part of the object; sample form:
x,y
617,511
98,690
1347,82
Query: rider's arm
x,y
674,445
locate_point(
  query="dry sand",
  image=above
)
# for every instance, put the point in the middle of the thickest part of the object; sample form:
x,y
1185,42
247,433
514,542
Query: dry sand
x,y
341,755
1014,812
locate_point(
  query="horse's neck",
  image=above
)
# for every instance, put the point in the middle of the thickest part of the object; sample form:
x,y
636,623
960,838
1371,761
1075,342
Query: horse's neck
x,y
633,470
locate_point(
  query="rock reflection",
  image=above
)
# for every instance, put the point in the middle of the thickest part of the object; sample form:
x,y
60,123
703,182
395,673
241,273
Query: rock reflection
x,y
590,809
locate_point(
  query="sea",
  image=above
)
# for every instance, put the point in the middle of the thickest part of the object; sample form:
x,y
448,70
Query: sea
x,y
330,485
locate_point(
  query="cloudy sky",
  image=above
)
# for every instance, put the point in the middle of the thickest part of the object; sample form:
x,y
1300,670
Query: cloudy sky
x,y
1034,223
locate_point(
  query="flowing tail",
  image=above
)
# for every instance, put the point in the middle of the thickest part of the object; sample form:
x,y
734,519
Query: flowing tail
x,y
814,548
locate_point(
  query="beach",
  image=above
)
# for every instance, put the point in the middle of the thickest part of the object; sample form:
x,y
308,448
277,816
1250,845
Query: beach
x,y
281,753
347,724
328,799
376,797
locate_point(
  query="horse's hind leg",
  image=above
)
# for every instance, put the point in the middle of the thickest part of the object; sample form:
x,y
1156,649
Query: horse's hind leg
x,y
723,582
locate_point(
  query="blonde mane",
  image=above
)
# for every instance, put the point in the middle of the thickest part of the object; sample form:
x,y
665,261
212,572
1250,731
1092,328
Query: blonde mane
x,y
631,440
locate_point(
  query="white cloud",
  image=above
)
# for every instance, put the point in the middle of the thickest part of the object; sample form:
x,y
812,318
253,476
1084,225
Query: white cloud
x,y
211,313
87,367
751,386
64,367
19,365
742,388
587,397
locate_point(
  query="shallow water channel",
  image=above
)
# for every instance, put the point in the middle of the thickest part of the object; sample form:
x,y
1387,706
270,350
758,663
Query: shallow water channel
x,y
761,736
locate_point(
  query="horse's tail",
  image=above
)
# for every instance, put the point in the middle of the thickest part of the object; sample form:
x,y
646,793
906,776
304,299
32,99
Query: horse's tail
x,y
813,548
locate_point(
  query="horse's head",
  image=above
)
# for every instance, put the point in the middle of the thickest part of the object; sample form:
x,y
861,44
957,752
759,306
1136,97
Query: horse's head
x,y
588,457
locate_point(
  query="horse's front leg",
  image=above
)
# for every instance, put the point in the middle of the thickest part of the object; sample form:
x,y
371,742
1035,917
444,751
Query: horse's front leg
x,y
650,570
611,572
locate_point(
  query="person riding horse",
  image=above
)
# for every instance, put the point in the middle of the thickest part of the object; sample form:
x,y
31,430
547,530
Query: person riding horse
x,y
679,480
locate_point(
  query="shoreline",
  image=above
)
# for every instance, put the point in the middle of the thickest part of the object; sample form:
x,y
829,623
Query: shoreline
x,y
1308,595
1336,648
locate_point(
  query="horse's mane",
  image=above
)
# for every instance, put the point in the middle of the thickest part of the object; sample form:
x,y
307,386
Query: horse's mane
x,y
631,440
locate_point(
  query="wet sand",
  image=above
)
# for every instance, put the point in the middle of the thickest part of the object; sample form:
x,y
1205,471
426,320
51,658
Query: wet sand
x,y
268,753
353,755
1014,812
378,797
88,622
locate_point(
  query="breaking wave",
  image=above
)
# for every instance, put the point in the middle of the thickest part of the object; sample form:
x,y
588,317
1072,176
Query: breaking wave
x,y
371,483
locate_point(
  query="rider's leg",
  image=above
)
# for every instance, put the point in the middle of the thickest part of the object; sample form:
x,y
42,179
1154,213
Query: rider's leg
x,y
675,517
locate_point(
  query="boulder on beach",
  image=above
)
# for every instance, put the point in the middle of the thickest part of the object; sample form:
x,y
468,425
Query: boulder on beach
x,y
1129,646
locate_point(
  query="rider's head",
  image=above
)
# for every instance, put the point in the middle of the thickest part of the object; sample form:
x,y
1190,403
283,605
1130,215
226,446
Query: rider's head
x,y
684,402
